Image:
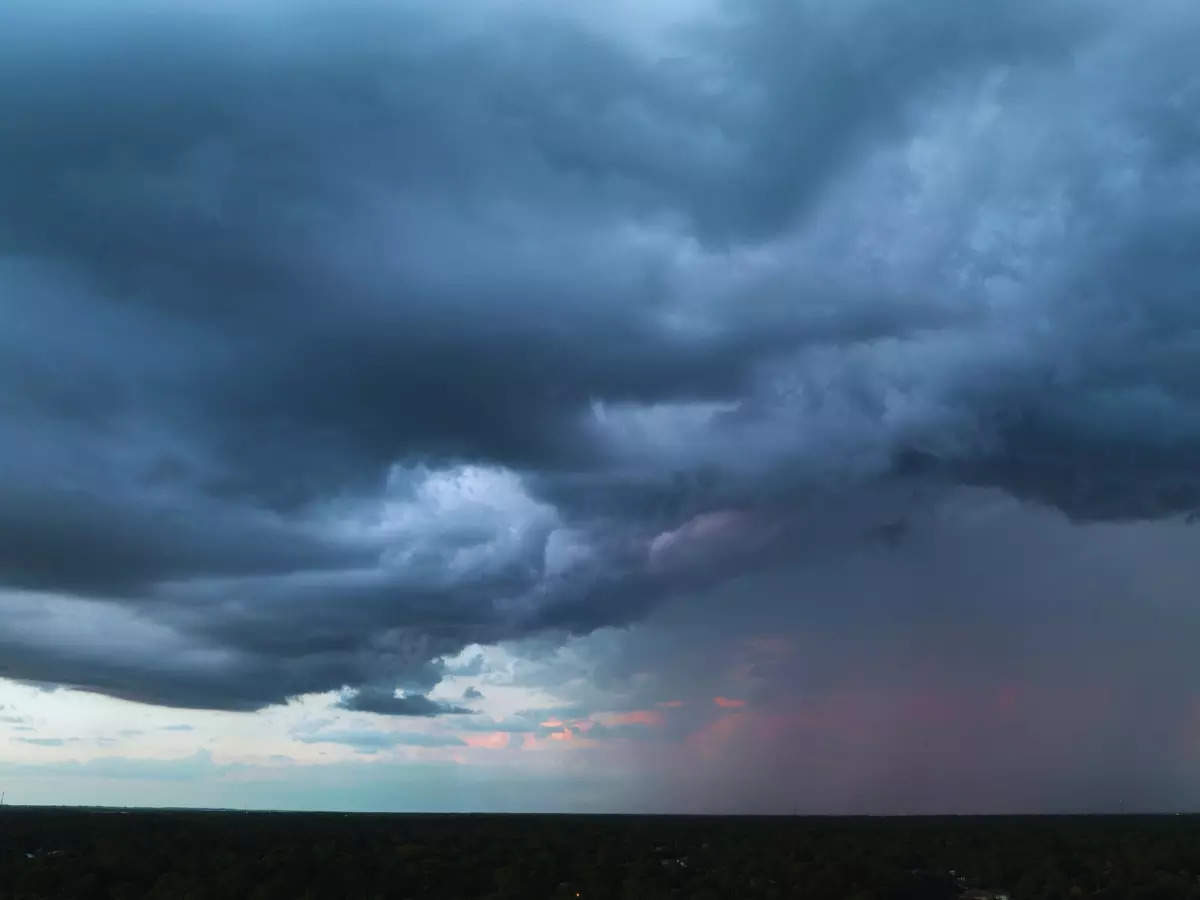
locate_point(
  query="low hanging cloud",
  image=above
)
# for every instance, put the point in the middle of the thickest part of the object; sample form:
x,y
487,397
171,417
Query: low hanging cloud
x,y
339,340
387,703
370,742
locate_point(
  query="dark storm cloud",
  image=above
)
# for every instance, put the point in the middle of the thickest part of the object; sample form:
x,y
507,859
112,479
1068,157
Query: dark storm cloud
x,y
385,702
336,341
373,741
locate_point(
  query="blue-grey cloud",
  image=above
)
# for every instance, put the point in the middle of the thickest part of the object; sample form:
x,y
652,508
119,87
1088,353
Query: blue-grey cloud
x,y
336,341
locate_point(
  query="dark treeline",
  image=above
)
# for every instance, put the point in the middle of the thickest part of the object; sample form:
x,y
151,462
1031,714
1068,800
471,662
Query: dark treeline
x,y
47,852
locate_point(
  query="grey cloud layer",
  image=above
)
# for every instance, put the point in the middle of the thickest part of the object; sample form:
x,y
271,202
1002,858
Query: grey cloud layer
x,y
334,342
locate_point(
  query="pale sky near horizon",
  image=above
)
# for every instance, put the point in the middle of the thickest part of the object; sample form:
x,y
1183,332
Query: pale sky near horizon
x,y
762,406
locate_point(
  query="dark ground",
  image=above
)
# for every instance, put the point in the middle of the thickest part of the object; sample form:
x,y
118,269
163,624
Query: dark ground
x,y
77,853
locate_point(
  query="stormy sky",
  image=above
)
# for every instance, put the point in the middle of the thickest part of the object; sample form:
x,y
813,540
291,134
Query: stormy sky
x,y
676,406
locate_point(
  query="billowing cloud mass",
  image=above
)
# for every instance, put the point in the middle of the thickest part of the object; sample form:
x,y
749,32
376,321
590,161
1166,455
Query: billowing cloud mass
x,y
340,338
